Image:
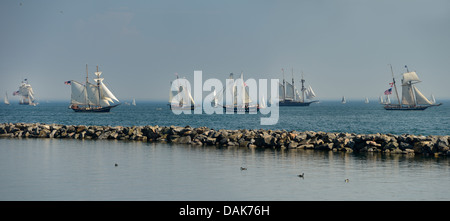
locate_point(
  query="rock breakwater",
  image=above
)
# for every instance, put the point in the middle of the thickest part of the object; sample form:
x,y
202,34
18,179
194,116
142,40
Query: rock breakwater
x,y
256,138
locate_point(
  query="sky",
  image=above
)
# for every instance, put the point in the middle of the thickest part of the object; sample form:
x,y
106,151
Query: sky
x,y
342,47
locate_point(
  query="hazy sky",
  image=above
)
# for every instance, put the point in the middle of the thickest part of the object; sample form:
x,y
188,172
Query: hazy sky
x,y
343,47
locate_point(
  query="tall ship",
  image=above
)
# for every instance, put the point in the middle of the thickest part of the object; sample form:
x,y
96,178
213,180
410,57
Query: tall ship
x,y
91,97
290,96
247,105
179,99
26,93
412,98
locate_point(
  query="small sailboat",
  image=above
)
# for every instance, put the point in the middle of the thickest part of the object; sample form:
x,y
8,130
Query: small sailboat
x,y
6,98
133,102
412,98
91,97
343,100
179,100
289,95
26,91
366,100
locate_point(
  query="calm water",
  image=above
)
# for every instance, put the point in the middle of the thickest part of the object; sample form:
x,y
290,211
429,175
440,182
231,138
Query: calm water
x,y
54,169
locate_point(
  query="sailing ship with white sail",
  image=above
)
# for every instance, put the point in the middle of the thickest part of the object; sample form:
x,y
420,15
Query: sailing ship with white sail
x,y
91,97
412,98
290,96
26,91
246,105
181,99
6,100
343,100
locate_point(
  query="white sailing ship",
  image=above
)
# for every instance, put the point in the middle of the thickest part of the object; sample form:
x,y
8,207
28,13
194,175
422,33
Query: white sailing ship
x,y
90,97
179,100
412,98
26,91
290,96
247,105
343,100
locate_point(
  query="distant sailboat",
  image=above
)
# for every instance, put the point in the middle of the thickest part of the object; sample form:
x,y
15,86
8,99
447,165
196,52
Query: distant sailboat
x,y
289,95
91,97
133,102
366,100
433,100
343,100
26,91
179,100
6,98
412,98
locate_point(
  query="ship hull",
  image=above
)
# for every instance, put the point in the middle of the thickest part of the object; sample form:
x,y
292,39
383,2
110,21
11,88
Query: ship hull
x,y
295,103
94,110
240,109
404,108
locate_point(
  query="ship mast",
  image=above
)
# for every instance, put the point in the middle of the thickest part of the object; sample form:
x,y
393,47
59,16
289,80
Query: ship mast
x,y
98,86
293,86
303,89
395,86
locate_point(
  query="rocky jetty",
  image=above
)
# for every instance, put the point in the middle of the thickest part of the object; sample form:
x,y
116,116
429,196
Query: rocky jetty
x,y
280,139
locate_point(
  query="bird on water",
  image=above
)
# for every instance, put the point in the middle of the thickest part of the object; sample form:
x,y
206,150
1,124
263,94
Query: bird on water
x,y
243,168
301,175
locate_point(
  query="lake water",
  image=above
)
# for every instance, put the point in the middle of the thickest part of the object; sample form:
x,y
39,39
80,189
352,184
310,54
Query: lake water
x,y
54,169
78,170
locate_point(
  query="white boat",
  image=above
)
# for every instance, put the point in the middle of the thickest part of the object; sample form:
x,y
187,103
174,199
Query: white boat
x,y
91,97
26,91
412,98
343,100
289,95
6,98
366,100
133,102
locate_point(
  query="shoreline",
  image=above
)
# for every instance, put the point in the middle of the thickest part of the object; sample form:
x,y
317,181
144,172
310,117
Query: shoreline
x,y
434,145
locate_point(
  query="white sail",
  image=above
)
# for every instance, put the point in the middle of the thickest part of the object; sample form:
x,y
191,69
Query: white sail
x,y
289,91
263,103
343,100
93,97
381,100
388,100
366,100
410,78
433,100
407,95
133,102
107,93
6,98
309,93
420,98
79,94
